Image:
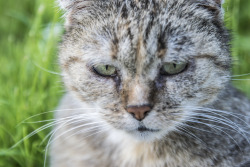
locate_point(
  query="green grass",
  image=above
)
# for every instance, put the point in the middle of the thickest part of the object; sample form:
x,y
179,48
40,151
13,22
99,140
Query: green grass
x,y
29,33
238,20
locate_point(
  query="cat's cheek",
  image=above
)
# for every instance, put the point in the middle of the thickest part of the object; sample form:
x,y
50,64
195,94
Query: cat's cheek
x,y
174,93
209,84
93,90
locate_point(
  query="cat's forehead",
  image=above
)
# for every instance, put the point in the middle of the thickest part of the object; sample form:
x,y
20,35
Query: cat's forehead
x,y
143,32
147,36
141,45
170,30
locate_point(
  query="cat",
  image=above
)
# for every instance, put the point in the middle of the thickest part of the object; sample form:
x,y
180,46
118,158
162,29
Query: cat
x,y
148,85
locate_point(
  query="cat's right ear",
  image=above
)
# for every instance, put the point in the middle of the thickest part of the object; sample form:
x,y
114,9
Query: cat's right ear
x,y
75,10
213,6
68,5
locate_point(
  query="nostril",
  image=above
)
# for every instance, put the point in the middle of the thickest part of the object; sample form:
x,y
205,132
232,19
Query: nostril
x,y
146,113
133,114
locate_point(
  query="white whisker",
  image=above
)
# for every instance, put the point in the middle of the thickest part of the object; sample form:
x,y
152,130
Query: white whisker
x,y
240,75
59,110
215,127
190,134
216,112
46,70
74,128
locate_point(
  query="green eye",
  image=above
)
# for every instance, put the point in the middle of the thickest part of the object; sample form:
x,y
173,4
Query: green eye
x,y
173,68
105,70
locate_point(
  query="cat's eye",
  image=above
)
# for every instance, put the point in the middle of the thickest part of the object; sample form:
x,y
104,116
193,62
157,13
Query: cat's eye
x,y
173,68
105,70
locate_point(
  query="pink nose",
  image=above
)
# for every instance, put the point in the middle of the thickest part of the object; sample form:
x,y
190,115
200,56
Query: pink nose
x,y
139,112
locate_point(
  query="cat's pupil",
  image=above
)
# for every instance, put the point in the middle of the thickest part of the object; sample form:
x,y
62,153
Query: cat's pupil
x,y
107,67
174,65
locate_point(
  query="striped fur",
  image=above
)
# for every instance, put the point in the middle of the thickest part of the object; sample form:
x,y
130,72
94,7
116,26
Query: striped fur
x,y
138,37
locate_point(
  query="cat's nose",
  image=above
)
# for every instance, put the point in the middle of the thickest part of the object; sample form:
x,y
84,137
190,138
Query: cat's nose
x,y
139,112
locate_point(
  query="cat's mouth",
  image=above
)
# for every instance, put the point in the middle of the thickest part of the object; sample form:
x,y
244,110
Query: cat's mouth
x,y
144,129
143,133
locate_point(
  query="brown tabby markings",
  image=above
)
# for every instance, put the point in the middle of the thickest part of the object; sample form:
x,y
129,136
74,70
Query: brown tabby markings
x,y
197,117
71,61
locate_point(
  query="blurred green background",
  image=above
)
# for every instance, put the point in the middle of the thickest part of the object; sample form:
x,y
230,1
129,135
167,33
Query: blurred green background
x,y
29,33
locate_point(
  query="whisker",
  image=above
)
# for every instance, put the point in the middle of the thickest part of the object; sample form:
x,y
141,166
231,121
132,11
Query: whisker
x,y
215,127
47,126
102,130
84,131
220,118
55,111
235,115
75,117
229,123
184,124
241,75
247,79
226,122
190,134
80,126
212,109
46,70
225,112
61,125
33,133
46,149
87,114
239,130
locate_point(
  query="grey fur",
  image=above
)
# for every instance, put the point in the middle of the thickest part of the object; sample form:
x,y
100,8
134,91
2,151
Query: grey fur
x,y
201,120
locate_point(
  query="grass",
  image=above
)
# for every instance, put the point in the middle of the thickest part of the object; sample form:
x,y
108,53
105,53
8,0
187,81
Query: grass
x,y
238,20
29,33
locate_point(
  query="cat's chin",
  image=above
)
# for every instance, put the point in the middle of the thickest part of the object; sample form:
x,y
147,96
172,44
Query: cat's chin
x,y
147,135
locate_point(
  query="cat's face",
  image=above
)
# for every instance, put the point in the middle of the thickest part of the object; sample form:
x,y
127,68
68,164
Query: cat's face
x,y
145,65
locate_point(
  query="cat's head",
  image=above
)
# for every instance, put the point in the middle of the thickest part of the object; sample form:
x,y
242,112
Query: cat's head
x,y
146,64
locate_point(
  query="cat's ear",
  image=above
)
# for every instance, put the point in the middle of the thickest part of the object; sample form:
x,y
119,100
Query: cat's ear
x,y
214,6
220,3
67,5
75,10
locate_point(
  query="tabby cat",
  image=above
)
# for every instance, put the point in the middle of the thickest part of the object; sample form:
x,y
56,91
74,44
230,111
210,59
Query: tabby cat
x,y
148,85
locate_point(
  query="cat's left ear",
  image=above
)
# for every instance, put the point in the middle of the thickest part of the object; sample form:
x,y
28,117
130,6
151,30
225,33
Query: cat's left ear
x,y
220,3
214,6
